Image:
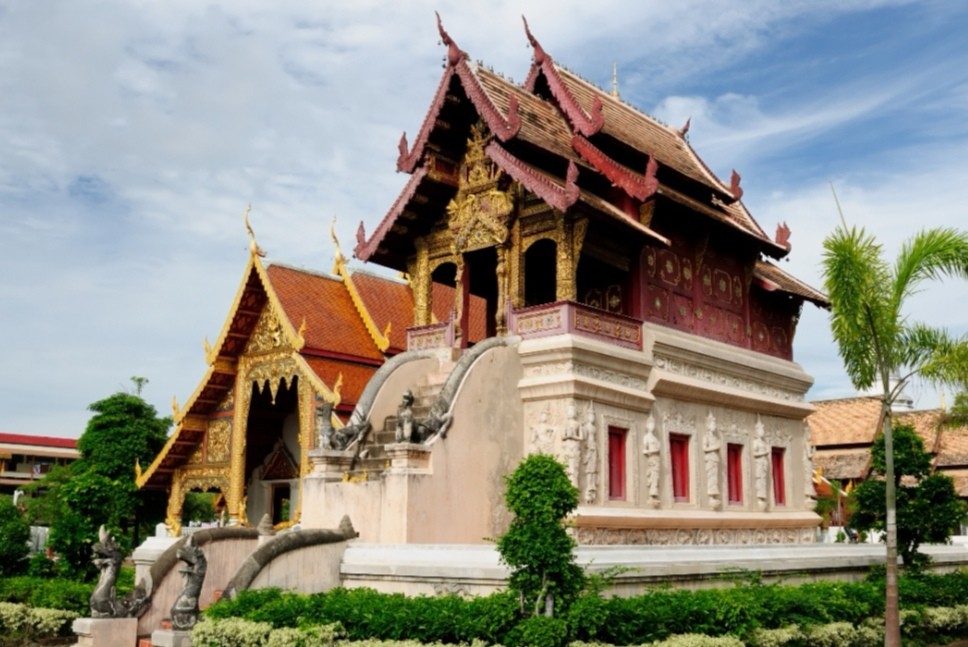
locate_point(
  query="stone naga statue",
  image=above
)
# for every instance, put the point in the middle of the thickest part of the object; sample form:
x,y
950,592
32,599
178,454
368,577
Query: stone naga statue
x,y
184,613
107,556
340,439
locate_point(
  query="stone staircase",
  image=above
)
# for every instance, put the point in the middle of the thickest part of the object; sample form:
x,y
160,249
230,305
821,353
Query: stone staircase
x,y
374,459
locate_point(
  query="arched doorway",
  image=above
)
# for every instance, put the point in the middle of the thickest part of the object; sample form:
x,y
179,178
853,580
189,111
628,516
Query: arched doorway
x,y
481,287
540,277
272,452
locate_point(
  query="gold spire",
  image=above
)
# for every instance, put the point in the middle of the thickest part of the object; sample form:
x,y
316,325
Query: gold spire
x,y
615,80
254,248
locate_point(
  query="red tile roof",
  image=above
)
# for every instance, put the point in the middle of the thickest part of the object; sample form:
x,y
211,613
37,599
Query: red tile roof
x,y
39,441
847,421
388,301
332,322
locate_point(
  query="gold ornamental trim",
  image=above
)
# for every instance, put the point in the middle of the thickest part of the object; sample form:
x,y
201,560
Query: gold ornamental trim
x,y
381,339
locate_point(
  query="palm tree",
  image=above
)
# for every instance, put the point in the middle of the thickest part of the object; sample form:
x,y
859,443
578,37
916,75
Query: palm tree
x,y
879,344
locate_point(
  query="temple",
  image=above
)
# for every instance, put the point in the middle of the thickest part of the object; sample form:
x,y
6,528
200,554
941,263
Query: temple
x,y
577,282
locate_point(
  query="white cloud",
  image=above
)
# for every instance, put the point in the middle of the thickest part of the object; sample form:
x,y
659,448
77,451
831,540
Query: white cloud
x,y
168,118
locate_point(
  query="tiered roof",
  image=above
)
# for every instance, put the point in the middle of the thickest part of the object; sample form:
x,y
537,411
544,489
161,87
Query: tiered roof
x,y
843,431
566,141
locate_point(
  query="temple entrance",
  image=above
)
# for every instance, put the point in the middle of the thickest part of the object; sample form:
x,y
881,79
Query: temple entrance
x,y
540,269
442,302
480,280
272,452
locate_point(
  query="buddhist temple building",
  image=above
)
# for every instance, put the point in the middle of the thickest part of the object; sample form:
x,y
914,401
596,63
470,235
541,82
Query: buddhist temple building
x,y
577,282
844,430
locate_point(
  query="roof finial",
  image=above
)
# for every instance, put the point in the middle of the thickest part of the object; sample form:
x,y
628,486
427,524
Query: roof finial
x,y
339,259
685,128
254,248
454,53
539,53
615,80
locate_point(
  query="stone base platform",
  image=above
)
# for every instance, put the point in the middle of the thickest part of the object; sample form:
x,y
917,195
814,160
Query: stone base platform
x,y
430,569
100,632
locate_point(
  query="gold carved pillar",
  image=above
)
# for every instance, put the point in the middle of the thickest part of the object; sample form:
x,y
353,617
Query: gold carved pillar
x,y
515,261
461,299
565,272
234,496
306,413
176,499
421,284
501,324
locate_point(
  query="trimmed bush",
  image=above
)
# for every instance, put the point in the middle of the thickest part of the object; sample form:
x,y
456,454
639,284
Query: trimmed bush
x,y
19,621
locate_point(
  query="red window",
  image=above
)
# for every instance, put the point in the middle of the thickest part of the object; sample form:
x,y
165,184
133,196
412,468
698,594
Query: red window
x,y
734,473
679,455
779,483
616,462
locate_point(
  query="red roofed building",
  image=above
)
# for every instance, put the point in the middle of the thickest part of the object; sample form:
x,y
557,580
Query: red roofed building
x,y
579,283
844,430
24,458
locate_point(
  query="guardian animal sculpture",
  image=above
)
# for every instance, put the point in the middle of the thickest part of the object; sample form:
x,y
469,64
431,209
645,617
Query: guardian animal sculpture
x,y
184,613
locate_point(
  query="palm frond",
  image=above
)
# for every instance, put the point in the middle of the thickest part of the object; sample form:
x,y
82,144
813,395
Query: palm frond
x,y
931,254
855,277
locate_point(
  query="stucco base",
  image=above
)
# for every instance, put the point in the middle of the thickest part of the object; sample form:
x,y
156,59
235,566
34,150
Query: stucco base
x,y
99,632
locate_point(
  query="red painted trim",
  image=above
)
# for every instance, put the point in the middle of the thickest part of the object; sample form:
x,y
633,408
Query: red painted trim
x,y
407,160
616,462
779,478
679,459
38,441
364,251
554,194
586,124
342,357
635,185
734,473
503,128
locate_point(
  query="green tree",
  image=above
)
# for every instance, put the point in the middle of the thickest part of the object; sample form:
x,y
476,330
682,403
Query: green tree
x,y
536,546
878,342
928,507
101,487
958,416
14,535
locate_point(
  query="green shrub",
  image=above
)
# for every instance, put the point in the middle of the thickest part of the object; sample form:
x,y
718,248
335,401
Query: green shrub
x,y
67,595
536,547
14,535
19,621
698,640
41,566
789,636
237,632
538,631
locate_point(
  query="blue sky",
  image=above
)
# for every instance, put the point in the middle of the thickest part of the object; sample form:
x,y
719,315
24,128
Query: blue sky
x,y
133,134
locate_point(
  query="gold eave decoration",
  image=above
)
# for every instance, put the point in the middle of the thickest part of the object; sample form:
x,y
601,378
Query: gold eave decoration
x,y
382,340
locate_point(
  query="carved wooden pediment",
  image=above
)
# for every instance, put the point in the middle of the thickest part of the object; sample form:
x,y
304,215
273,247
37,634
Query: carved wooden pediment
x,y
280,465
479,213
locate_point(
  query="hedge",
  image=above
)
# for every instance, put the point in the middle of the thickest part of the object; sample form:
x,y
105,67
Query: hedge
x,y
743,611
